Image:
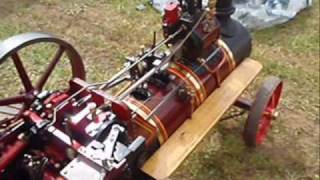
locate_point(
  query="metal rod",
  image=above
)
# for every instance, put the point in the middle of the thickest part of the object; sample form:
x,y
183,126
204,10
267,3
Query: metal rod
x,y
126,69
107,83
200,4
191,6
154,39
232,116
163,63
123,71
165,99
10,128
119,81
7,113
138,83
63,103
170,95
243,103
14,107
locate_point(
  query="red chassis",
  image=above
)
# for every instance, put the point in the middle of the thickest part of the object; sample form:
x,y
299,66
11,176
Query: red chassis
x,y
82,132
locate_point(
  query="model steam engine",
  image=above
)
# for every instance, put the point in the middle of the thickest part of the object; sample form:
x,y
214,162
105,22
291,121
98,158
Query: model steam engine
x,y
85,133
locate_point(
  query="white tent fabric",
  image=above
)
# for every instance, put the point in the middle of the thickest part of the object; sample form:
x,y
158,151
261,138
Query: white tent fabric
x,y
259,14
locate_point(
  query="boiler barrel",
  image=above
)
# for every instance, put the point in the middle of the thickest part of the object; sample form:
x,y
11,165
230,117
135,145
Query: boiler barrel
x,y
200,80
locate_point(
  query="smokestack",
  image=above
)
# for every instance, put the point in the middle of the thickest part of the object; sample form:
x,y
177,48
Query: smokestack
x,y
233,33
224,8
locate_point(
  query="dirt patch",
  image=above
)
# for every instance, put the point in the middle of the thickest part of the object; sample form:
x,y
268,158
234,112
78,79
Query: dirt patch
x,y
12,6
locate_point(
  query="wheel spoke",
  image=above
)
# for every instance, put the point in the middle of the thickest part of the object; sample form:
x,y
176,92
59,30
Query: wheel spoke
x,y
12,100
276,96
50,68
266,124
263,129
22,72
273,102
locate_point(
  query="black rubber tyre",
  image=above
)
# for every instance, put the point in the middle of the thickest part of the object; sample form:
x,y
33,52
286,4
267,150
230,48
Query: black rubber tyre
x,y
262,111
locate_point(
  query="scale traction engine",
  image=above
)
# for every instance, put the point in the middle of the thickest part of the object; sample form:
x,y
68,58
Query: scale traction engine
x,y
82,132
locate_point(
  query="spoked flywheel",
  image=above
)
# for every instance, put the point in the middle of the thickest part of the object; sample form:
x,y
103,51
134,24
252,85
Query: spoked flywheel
x,y
262,112
11,48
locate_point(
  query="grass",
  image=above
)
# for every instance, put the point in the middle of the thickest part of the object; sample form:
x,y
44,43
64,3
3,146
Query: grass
x,y
105,32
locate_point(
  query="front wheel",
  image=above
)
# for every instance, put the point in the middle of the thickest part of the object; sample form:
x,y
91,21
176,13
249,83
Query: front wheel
x,y
263,111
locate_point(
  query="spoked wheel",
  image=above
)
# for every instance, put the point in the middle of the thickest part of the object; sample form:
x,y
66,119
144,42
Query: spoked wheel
x,y
11,48
262,112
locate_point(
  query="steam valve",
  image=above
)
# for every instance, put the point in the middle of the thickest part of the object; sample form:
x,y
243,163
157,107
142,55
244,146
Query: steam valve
x,y
172,14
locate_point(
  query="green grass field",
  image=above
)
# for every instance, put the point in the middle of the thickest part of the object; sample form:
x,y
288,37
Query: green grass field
x,y
105,31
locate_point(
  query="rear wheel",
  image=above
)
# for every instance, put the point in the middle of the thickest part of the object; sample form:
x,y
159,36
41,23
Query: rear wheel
x,y
262,112
11,49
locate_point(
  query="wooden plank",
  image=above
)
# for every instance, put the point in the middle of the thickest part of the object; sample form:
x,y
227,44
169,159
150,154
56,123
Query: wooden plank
x,y
170,155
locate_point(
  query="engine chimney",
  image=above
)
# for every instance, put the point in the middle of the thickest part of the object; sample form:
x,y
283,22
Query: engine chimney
x,y
233,33
224,8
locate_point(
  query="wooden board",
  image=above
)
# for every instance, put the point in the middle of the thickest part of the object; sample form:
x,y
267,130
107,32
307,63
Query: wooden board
x,y
171,154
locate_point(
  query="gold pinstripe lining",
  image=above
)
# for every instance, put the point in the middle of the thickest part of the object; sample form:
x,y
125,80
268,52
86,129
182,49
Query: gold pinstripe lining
x,y
194,79
195,101
231,60
153,120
